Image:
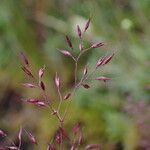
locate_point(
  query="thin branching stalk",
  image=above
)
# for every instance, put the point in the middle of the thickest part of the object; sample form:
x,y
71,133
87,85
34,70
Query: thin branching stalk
x,y
75,73
60,99
47,103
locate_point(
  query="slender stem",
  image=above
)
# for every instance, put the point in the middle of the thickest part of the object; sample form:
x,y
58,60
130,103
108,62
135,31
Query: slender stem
x,y
80,82
73,58
87,77
69,103
75,82
20,140
84,78
75,72
66,110
56,113
74,140
19,145
82,52
76,63
61,99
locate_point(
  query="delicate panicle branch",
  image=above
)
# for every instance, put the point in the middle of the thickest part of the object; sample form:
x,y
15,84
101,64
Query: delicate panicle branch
x,y
75,73
20,137
61,100
46,103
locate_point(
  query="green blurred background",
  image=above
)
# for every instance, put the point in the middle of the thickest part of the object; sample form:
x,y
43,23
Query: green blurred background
x,y
116,114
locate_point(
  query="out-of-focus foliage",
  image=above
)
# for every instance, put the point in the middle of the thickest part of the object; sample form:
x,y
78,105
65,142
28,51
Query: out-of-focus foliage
x,y
38,27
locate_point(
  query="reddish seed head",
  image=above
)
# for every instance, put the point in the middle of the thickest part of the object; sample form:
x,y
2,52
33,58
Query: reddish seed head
x,y
32,138
100,62
57,81
77,128
32,100
86,86
29,85
79,31
24,58
85,71
36,102
102,78
64,133
12,148
104,60
41,103
67,96
2,133
42,85
27,71
108,59
41,72
68,40
87,24
58,137
65,52
97,45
